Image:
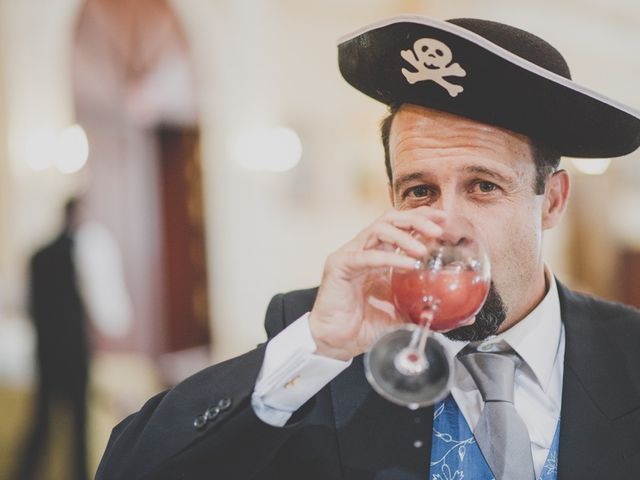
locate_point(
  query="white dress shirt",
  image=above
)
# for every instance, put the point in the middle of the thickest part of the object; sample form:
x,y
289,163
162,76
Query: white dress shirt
x,y
291,373
539,340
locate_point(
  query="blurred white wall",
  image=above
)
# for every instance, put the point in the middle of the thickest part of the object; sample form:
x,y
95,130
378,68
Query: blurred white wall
x,y
35,96
265,63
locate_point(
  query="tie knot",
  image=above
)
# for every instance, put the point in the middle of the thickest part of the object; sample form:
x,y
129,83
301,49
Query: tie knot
x,y
493,373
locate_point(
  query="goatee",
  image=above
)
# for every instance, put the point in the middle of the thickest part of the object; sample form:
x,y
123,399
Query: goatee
x,y
488,320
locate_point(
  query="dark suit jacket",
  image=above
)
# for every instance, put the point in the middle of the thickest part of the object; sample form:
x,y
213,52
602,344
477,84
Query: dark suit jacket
x,y
59,317
349,432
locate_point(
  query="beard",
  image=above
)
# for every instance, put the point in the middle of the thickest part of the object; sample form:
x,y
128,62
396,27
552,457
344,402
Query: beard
x,y
488,320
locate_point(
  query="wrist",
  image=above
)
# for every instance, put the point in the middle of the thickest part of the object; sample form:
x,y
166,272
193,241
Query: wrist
x,y
326,348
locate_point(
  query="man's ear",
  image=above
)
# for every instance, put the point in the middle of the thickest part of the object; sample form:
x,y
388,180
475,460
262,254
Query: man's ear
x,y
556,195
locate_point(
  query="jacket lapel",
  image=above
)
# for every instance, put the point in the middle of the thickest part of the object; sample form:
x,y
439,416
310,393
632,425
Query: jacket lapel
x,y
377,439
598,397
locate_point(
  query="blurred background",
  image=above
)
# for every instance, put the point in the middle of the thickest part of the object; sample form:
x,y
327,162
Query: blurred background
x,y
218,157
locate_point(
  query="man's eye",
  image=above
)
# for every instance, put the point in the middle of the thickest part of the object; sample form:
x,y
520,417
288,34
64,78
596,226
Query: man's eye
x,y
486,187
419,191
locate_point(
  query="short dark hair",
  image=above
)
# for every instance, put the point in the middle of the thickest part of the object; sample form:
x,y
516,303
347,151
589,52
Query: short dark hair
x,y
545,157
71,208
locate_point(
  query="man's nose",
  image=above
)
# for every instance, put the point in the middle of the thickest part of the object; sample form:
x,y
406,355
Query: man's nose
x,y
447,203
456,231
458,226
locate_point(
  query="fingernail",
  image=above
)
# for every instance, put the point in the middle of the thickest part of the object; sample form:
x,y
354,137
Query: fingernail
x,y
437,230
420,247
410,263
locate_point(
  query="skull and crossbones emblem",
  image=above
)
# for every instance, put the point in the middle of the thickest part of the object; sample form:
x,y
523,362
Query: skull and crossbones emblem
x,y
432,60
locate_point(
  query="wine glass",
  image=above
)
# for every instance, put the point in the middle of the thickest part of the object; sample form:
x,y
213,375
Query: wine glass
x,y
445,289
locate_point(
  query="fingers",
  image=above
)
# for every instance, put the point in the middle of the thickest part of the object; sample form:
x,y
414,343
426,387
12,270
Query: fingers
x,y
424,220
394,230
390,237
352,264
341,320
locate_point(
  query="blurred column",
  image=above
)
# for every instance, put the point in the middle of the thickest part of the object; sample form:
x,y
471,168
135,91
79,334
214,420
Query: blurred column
x,y
5,183
591,246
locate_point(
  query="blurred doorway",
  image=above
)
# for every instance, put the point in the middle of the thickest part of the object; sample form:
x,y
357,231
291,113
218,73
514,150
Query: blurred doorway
x,y
134,95
183,254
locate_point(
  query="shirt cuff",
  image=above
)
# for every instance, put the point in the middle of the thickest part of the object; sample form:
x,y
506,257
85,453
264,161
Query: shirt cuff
x,y
291,373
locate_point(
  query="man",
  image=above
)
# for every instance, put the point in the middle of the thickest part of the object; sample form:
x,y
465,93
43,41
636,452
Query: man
x,y
75,278
58,313
480,113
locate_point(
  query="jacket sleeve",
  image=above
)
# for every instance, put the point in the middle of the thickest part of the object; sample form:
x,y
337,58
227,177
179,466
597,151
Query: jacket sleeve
x,y
203,427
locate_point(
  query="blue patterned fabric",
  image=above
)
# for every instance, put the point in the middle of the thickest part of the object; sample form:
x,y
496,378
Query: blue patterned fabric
x,y
455,454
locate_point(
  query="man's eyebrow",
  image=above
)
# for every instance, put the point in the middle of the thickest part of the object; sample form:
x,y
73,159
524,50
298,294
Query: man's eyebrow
x,y
480,170
410,177
474,169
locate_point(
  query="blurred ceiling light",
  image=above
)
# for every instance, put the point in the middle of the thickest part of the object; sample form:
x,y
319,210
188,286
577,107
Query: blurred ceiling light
x,y
591,166
40,149
67,150
73,149
274,149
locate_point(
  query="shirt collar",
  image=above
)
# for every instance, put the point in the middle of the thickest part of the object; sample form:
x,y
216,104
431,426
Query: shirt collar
x,y
535,338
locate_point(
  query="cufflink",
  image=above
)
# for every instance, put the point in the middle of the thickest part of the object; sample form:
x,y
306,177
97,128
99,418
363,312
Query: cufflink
x,y
291,383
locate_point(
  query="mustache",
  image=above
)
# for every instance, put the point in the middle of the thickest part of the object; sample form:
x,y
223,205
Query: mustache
x,y
488,320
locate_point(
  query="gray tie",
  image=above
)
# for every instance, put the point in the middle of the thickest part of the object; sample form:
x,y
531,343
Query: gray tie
x,y
500,433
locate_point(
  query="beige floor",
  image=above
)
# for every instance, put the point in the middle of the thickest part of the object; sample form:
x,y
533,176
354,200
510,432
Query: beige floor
x,y
120,385
16,411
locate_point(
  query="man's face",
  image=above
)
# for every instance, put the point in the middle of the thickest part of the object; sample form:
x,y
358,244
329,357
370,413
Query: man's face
x,y
485,174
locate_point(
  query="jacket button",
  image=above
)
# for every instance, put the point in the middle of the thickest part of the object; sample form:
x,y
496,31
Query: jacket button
x,y
224,403
200,422
211,413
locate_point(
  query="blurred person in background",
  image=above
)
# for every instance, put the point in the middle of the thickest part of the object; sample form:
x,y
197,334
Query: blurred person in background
x,y
75,277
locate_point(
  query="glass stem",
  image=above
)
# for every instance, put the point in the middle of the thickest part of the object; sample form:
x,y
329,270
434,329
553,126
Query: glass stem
x,y
412,360
420,335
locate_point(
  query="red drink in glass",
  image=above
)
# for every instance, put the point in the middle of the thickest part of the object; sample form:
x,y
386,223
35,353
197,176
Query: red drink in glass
x,y
452,294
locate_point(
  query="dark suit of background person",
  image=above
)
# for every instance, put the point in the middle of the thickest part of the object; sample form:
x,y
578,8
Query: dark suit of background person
x,y
58,314
206,428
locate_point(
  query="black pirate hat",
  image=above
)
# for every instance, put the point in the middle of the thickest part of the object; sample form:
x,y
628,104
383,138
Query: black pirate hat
x,y
489,72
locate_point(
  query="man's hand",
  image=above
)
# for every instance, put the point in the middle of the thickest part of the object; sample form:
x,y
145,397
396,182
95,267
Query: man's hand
x,y
349,313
